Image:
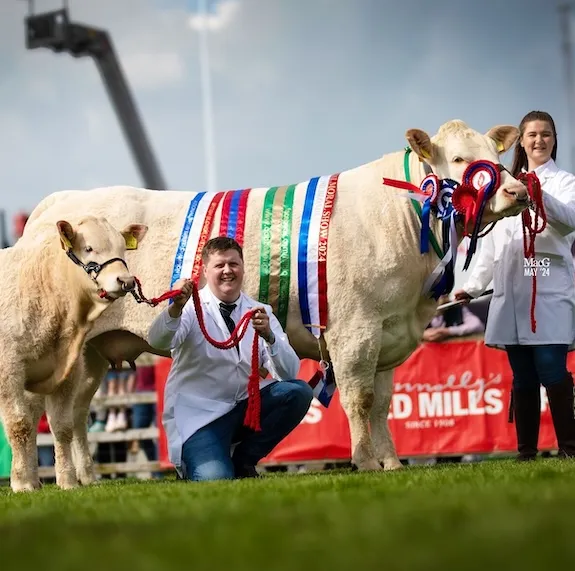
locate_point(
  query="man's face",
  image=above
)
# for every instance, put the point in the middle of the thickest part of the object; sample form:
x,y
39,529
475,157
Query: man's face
x,y
224,273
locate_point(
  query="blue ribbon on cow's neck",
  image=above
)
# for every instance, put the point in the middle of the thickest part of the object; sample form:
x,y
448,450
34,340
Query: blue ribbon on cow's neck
x,y
445,283
424,237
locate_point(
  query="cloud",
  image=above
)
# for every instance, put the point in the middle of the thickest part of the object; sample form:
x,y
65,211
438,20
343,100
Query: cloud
x,y
218,19
146,70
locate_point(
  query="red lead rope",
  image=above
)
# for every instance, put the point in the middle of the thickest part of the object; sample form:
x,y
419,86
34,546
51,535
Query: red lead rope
x,y
252,417
532,227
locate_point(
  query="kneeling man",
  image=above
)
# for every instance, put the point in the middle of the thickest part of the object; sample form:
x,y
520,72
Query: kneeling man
x,y
206,391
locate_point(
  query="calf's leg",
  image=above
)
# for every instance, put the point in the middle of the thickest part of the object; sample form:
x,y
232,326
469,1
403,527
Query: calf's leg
x,y
18,422
59,409
95,367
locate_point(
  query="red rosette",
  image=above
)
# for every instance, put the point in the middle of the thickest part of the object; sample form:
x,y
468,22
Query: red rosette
x,y
482,174
464,199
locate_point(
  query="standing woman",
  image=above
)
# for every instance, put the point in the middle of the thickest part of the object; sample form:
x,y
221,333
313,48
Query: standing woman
x,y
538,358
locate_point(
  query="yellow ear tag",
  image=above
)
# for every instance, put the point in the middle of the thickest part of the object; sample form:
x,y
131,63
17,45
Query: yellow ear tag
x,y
425,154
500,146
66,242
131,242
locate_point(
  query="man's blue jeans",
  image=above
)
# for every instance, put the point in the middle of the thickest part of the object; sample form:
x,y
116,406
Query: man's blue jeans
x,y
533,365
206,454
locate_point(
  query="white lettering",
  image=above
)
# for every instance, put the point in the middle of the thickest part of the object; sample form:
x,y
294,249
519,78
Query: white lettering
x,y
474,400
493,403
430,405
314,413
402,406
418,424
444,422
447,404
535,263
458,410
465,381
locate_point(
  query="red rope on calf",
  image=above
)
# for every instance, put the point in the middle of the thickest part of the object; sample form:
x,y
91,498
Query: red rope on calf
x,y
141,298
252,417
532,227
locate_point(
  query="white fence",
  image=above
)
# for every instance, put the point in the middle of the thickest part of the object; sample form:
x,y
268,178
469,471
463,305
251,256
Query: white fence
x,y
130,466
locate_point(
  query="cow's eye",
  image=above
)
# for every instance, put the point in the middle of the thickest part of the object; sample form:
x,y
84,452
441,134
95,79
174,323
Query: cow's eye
x,y
458,160
88,249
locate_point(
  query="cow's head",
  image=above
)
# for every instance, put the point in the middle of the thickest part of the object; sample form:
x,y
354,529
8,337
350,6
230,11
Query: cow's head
x,y
99,249
455,146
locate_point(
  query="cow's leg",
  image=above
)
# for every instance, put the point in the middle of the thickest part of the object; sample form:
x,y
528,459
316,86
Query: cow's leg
x,y
382,440
18,423
59,409
95,367
354,368
36,404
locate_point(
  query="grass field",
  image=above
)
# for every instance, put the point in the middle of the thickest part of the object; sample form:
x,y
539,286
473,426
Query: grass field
x,y
496,514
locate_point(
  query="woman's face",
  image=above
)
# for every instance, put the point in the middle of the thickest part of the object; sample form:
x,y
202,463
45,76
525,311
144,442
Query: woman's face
x,y
538,142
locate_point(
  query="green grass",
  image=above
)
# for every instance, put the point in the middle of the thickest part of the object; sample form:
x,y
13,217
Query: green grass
x,y
496,514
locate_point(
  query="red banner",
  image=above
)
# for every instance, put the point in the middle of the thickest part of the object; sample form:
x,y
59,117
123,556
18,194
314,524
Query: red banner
x,y
449,399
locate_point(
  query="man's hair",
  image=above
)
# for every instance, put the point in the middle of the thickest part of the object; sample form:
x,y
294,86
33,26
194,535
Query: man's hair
x,y
220,244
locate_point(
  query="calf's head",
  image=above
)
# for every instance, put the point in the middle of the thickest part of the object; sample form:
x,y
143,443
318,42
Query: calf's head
x,y
455,146
96,247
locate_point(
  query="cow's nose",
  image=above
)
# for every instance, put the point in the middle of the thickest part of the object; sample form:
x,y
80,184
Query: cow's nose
x,y
519,194
128,283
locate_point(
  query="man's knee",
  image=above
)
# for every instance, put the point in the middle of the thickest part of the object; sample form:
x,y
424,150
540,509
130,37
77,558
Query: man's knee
x,y
208,471
300,395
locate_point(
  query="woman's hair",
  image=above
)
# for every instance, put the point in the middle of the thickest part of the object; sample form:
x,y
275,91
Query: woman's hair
x,y
519,156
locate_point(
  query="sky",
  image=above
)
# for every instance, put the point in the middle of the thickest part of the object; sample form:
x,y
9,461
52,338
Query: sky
x,y
300,88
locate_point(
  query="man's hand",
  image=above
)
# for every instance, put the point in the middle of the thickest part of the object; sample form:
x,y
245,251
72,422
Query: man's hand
x,y
175,309
462,295
435,334
261,323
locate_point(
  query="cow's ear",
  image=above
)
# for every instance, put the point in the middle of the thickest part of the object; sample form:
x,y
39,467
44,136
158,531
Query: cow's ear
x,y
133,235
504,136
420,143
67,234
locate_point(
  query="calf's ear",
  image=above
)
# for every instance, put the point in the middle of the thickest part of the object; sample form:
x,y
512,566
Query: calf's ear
x,y
504,136
421,144
67,234
133,235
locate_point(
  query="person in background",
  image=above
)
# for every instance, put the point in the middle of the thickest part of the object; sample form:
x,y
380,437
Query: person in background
x,y
144,414
454,321
540,357
45,453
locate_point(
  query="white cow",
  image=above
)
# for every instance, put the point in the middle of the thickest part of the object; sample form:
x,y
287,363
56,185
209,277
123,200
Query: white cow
x,y
375,273
54,285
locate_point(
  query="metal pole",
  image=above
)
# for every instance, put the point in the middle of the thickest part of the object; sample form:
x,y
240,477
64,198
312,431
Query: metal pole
x,y
4,243
128,116
565,23
207,109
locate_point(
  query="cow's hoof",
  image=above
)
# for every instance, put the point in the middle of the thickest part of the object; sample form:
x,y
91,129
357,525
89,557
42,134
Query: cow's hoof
x,y
68,485
370,465
86,478
18,487
391,465
67,481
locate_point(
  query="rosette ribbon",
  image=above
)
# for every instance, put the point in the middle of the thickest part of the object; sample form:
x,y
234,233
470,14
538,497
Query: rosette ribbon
x,y
427,192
